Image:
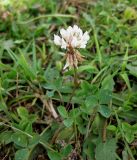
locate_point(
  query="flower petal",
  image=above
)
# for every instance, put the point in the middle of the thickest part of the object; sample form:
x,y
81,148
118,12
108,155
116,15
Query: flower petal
x,y
70,30
82,46
86,36
74,42
75,27
63,33
66,65
63,44
57,40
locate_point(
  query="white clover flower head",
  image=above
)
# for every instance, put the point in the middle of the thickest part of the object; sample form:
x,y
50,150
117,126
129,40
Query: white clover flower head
x,y
72,37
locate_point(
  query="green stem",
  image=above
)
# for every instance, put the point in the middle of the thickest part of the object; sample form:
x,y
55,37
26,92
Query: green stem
x,y
91,119
125,60
76,84
99,73
47,16
122,133
75,77
75,126
98,48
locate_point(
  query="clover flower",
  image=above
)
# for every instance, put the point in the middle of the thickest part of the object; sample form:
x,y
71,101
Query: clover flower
x,y
70,39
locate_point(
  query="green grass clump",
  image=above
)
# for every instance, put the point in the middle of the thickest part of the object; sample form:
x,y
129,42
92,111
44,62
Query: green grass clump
x,y
43,113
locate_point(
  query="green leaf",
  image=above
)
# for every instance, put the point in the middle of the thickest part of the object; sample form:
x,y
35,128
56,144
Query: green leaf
x,y
85,86
105,96
32,118
22,112
125,60
5,137
68,122
51,75
111,128
26,120
129,134
65,133
106,151
108,83
3,106
50,93
91,101
66,151
62,111
126,79
134,128
25,64
126,127
130,115
22,154
34,57
8,44
130,13
20,139
90,68
104,111
89,19
25,125
34,140
132,69
54,155
74,113
88,149
133,43
28,128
